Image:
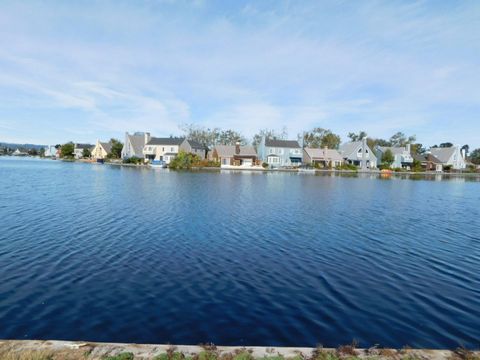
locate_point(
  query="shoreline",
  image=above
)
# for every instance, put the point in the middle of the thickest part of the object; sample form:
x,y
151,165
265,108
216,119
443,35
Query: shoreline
x,y
52,349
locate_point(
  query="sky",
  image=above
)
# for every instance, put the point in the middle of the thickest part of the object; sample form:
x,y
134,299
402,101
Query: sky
x,y
86,70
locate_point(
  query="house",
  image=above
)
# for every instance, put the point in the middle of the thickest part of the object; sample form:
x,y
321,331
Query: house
x,y
79,150
280,153
19,152
134,145
324,157
51,151
402,156
101,150
235,155
166,149
451,156
428,162
359,154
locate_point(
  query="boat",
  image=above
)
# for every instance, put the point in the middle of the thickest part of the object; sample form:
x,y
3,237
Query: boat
x,y
158,164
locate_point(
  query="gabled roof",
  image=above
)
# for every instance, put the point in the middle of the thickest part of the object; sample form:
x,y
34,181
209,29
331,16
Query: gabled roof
x,y
166,141
229,151
293,144
350,147
324,154
443,154
195,144
107,146
426,157
138,142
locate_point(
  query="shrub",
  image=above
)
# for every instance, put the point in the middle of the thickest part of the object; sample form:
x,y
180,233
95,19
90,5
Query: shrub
x,y
122,356
183,161
265,165
133,160
347,167
206,163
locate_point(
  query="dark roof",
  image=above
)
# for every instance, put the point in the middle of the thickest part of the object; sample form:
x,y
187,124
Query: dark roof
x,y
165,141
195,144
83,146
426,157
282,143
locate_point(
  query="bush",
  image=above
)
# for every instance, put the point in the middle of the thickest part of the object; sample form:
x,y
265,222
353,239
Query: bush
x,y
133,160
347,167
122,356
265,165
206,163
183,161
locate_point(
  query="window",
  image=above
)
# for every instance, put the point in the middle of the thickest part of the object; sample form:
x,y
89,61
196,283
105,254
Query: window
x,y
171,149
271,151
280,151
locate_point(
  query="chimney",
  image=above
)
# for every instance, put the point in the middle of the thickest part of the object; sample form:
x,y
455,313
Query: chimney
x,y
409,148
364,153
237,148
325,152
147,137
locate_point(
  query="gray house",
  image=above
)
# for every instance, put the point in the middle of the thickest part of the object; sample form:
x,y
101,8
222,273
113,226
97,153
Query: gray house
x,y
359,154
402,156
451,156
166,149
280,153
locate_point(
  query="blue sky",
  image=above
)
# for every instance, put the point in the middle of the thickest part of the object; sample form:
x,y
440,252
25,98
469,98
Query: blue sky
x,y
82,70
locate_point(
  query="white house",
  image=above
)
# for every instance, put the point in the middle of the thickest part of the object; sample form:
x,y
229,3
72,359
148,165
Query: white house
x,y
451,156
134,145
166,149
359,154
80,148
101,150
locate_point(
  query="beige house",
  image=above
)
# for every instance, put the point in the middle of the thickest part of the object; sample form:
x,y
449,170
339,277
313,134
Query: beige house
x,y
324,157
101,150
235,156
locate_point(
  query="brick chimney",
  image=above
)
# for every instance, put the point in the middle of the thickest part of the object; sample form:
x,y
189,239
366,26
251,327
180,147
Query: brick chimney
x,y
237,148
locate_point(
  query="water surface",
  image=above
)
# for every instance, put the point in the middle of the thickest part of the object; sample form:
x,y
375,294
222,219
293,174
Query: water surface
x,y
102,253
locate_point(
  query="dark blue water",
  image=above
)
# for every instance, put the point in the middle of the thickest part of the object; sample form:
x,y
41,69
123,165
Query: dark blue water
x,y
100,253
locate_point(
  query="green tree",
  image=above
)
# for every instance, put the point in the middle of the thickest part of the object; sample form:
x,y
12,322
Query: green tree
x,y
205,136
475,156
417,149
388,158
42,152
230,137
320,138
401,140
117,147
67,150
357,137
183,161
86,153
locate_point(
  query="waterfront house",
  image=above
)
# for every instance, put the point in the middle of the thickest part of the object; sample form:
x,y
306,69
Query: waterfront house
x,y
134,145
51,151
101,150
79,149
359,154
402,156
428,162
166,149
235,155
280,153
324,157
451,157
22,152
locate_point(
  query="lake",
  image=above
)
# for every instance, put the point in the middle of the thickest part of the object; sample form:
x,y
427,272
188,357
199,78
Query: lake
x,y
105,253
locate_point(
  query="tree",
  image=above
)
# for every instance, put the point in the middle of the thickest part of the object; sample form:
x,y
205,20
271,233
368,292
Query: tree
x,y
205,136
117,147
269,134
86,153
183,161
320,138
230,137
417,149
401,140
372,143
42,152
33,152
446,145
388,158
475,157
67,150
357,137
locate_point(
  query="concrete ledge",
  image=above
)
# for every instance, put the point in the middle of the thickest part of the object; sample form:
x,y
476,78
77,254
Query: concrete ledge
x,y
14,349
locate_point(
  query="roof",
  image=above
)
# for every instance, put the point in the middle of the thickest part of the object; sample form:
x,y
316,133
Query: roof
x,y
165,141
426,157
282,143
138,142
107,146
195,144
229,151
394,149
83,146
330,154
443,154
350,147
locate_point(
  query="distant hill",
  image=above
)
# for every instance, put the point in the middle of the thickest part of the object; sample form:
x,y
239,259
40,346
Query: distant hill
x,y
22,146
